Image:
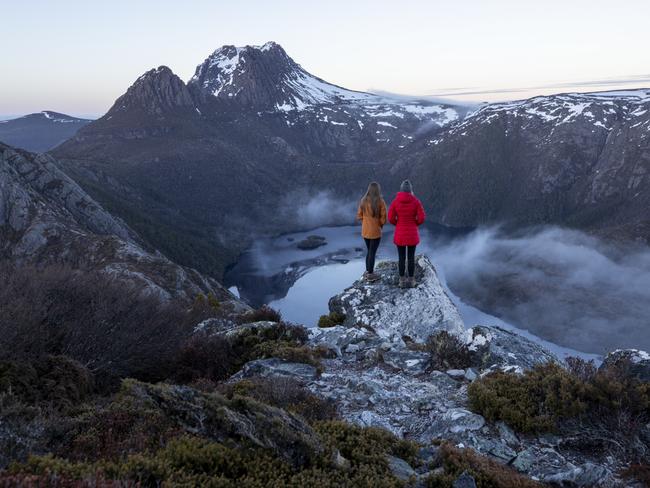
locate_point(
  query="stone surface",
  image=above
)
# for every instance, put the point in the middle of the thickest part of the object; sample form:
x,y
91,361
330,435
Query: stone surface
x,y
274,367
400,468
587,474
497,348
634,362
378,379
465,480
392,312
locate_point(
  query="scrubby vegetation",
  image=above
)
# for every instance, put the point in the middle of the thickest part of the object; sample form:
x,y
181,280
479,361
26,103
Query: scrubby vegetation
x,y
330,320
284,393
264,313
605,407
109,326
216,357
55,380
540,399
447,352
486,472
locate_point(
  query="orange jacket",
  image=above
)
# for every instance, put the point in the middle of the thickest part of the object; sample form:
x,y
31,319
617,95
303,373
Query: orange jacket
x,y
371,226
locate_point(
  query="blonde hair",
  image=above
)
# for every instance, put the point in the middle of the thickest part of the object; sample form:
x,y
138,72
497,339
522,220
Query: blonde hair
x,y
373,198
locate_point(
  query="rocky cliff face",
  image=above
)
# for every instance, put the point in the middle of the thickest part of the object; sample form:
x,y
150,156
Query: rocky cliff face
x,y
46,218
379,377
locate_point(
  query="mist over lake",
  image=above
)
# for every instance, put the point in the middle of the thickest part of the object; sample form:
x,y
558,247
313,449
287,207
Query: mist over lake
x,y
563,286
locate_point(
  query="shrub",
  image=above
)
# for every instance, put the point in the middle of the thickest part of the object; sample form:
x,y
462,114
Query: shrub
x,y
264,313
638,472
217,357
207,357
112,327
330,320
366,446
57,380
485,471
113,431
548,395
289,352
192,461
285,393
447,352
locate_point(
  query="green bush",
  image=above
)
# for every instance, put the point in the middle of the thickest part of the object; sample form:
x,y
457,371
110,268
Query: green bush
x,y
216,357
447,352
366,446
330,320
264,313
289,352
487,472
57,380
285,393
545,396
191,461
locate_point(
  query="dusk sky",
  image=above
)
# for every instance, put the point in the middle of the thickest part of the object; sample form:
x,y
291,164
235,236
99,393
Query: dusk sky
x,y
77,57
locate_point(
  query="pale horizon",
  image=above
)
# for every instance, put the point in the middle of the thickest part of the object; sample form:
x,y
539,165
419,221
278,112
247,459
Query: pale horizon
x,y
76,57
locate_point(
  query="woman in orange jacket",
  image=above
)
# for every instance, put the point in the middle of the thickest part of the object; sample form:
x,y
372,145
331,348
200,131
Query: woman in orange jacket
x,y
372,214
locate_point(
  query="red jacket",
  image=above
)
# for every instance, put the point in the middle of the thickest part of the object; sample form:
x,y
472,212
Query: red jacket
x,y
406,214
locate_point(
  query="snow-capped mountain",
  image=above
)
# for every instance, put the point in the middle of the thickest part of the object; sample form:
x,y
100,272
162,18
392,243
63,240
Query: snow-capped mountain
x,y
264,79
578,159
601,109
40,131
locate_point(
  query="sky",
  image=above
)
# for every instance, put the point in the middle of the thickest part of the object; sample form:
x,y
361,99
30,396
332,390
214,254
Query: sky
x,y
77,57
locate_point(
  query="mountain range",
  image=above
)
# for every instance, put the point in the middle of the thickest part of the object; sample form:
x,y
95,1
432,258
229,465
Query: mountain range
x,y
199,169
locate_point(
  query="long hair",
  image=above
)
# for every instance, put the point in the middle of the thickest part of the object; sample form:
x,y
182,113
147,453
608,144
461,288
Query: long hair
x,y
373,198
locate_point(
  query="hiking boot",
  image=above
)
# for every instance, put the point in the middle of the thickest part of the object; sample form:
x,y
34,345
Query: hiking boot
x,y
402,281
372,277
412,282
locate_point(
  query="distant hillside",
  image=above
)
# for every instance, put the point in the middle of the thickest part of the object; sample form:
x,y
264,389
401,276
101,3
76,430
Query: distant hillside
x,y
41,131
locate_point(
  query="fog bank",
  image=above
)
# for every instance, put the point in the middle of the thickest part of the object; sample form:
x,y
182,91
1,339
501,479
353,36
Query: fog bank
x,y
563,285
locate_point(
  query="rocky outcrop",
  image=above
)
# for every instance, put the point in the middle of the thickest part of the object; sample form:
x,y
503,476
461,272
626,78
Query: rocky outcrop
x,y
156,92
632,361
415,312
379,377
46,218
241,420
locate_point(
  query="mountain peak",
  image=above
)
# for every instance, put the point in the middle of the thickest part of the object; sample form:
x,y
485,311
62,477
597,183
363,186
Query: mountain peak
x,y
156,91
264,77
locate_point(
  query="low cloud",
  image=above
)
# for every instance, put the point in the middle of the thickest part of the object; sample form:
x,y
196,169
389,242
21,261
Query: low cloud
x,y
307,210
562,285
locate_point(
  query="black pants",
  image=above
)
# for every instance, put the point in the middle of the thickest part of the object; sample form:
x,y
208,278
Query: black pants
x,y
372,245
402,251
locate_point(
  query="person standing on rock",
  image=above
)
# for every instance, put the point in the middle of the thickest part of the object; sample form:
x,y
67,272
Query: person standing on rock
x,y
372,214
406,214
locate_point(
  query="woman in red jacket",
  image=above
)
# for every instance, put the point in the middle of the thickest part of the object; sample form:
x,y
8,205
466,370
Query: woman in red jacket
x,y
406,214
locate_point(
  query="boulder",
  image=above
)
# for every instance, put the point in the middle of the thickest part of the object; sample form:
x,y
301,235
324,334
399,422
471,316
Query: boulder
x,y
497,348
311,242
465,480
587,474
632,361
274,367
395,312
400,468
